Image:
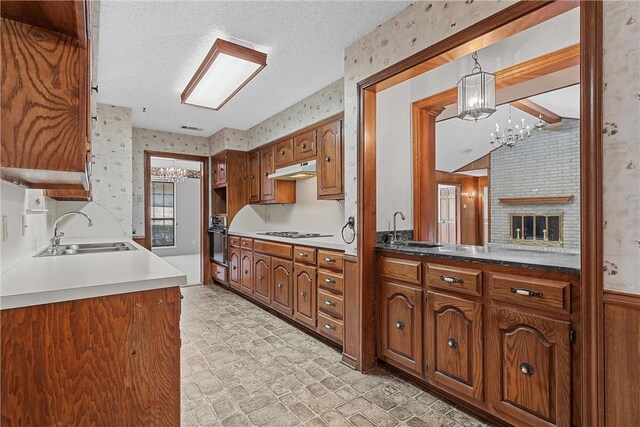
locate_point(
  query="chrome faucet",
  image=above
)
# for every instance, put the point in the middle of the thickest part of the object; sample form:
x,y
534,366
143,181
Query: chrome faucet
x,y
55,240
395,231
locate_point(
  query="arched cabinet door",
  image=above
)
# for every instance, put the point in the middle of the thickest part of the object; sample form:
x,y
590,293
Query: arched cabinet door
x,y
246,272
234,268
401,326
454,343
304,299
329,163
282,286
262,278
530,370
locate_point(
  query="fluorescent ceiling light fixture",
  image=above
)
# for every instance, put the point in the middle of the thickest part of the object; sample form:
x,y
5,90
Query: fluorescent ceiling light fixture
x,y
224,71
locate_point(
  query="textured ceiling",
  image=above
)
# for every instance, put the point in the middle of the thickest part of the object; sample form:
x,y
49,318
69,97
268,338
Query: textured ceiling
x,y
150,49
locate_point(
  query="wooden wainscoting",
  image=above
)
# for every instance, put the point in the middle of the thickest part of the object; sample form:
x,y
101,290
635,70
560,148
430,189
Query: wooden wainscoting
x,y
621,358
352,332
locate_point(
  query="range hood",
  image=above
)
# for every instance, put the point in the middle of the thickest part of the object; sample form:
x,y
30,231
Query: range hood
x,y
294,172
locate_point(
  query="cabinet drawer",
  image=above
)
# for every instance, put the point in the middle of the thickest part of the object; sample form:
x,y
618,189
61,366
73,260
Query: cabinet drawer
x,y
330,259
246,243
405,270
304,146
330,327
331,281
304,254
234,241
284,153
530,291
330,303
281,250
464,280
219,273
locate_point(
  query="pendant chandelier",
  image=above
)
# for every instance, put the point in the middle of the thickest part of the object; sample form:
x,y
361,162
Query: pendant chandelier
x,y
172,174
512,134
476,93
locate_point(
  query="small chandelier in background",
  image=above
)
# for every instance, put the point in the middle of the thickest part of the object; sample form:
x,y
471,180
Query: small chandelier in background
x,y
541,125
511,134
476,93
172,174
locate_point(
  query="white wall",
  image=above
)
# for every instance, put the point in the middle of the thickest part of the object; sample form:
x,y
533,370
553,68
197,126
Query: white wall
x,y
187,211
307,215
105,224
36,236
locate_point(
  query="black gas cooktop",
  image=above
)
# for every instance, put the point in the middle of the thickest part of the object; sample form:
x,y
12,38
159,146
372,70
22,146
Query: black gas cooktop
x,y
294,234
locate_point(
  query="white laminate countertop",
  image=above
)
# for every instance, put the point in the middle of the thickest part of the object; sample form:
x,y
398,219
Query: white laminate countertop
x,y
44,280
334,242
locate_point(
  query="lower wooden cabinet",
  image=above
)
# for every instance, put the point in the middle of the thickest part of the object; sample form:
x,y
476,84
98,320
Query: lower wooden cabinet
x,y
304,299
219,273
262,278
234,268
400,325
246,272
454,340
529,372
282,282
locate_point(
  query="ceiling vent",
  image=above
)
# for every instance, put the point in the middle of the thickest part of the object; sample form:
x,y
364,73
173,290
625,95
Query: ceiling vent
x,y
193,128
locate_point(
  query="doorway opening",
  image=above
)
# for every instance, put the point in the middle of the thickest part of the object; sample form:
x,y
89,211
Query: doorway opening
x,y
448,214
176,211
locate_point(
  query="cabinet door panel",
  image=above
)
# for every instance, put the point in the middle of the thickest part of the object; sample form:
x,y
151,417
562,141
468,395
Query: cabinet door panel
x,y
284,153
305,295
234,268
267,186
530,376
304,146
222,171
401,325
282,285
246,278
262,278
330,165
454,345
254,177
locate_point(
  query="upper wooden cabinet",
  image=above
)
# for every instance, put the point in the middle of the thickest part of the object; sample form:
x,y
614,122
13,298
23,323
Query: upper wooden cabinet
x,y
45,94
219,171
284,153
330,164
304,146
267,166
262,189
254,177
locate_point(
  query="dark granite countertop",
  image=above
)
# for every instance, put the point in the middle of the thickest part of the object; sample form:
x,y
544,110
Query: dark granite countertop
x,y
538,260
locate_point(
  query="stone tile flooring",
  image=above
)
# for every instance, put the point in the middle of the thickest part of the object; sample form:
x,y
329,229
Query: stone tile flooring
x,y
242,366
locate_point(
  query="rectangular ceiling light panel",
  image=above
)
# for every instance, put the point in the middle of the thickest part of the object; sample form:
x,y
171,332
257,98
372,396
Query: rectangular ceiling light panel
x,y
224,71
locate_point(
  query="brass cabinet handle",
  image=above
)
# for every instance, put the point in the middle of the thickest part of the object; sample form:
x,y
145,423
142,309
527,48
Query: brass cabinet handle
x,y
526,292
329,259
450,279
452,343
330,303
266,174
327,280
329,326
245,244
253,177
400,324
280,285
526,369
328,159
303,294
303,255
282,152
303,145
260,277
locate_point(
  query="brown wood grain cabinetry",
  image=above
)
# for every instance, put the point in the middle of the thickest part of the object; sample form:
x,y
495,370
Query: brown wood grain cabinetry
x,y
44,71
262,278
304,254
455,279
330,327
282,281
267,166
108,361
284,153
219,171
218,273
304,146
330,165
454,339
405,270
330,259
304,299
246,272
400,325
234,268
532,292
253,180
529,375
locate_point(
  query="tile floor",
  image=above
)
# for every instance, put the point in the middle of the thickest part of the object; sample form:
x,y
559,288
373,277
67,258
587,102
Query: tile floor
x,y
242,366
188,264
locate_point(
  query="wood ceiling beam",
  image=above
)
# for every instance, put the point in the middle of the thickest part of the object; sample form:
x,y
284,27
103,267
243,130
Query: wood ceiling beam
x,y
519,73
483,162
536,110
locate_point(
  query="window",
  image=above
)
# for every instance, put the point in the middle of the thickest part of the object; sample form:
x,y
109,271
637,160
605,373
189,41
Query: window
x,y
536,229
163,231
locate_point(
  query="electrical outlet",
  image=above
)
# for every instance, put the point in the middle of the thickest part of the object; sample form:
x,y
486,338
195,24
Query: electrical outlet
x,y
24,224
5,228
